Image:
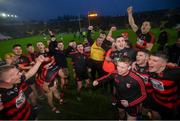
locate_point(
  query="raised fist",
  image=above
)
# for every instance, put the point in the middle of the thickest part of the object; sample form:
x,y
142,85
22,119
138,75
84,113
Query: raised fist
x,y
40,58
113,28
130,10
95,83
90,28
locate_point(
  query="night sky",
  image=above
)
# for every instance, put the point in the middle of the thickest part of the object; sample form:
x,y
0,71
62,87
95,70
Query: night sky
x,y
47,9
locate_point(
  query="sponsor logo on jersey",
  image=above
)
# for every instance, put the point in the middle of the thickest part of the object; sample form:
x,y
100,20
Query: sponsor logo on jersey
x,y
20,100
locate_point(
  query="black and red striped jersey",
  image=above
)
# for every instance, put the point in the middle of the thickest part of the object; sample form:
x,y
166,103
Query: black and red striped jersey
x,y
47,74
143,39
22,60
130,87
45,54
32,56
165,86
15,104
144,74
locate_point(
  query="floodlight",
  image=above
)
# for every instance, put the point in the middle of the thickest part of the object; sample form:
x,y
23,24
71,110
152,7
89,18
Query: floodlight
x,y
3,15
92,15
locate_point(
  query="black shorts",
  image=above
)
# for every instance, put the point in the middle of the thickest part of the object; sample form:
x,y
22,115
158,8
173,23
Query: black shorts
x,y
132,111
147,103
166,113
81,75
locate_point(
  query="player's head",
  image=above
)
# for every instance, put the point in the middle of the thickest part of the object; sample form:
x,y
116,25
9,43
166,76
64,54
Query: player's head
x,y
17,49
157,62
53,38
30,48
99,41
142,56
9,58
120,43
145,27
40,46
102,35
123,65
60,45
73,44
80,47
9,75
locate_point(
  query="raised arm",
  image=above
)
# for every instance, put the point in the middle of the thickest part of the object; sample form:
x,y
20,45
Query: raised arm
x,y
109,36
35,68
89,38
131,19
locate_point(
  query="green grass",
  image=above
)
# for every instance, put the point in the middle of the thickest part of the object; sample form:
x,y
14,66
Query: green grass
x,y
93,106
6,46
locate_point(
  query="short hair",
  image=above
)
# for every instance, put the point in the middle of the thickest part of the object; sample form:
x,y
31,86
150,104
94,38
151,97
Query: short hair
x,y
60,41
125,59
7,55
79,43
16,45
144,51
160,54
52,36
28,45
147,22
103,32
39,42
4,69
72,41
128,43
119,37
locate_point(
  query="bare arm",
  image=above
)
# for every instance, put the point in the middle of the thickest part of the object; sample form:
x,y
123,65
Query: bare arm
x,y
109,36
52,60
89,38
131,19
22,67
35,68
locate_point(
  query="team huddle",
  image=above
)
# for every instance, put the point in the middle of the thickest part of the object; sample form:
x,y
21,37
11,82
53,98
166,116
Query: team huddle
x,y
141,82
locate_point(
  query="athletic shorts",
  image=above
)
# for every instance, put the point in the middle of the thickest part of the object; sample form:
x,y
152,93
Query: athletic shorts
x,y
147,103
132,111
81,75
166,113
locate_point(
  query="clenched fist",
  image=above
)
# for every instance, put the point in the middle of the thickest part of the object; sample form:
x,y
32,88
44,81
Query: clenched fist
x,y
130,10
